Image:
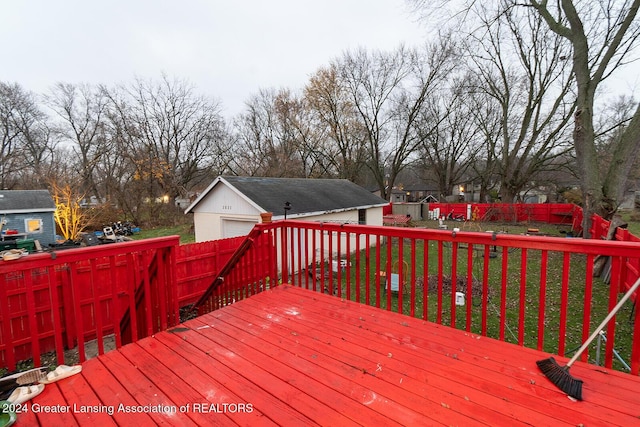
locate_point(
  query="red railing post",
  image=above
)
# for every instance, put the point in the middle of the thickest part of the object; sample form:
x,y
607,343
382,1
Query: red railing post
x,y
470,283
7,336
542,299
564,301
400,273
586,308
454,280
440,283
425,280
97,310
635,346
523,295
412,311
503,292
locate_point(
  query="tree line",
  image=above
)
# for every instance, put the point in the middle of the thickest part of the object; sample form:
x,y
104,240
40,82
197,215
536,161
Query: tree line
x,y
506,96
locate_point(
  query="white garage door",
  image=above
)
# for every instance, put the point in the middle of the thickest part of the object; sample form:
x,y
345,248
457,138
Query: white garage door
x,y
234,228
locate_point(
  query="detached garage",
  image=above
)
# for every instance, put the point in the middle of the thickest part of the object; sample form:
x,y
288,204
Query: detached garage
x,y
232,205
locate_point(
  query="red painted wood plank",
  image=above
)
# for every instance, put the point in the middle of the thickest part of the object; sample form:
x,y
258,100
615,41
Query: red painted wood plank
x,y
55,314
83,402
496,356
77,311
8,344
51,399
275,377
330,358
110,391
227,379
97,307
486,348
176,388
144,391
352,382
206,388
31,318
436,389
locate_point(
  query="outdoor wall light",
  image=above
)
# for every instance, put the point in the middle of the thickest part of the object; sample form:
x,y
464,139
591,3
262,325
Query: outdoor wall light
x,y
287,207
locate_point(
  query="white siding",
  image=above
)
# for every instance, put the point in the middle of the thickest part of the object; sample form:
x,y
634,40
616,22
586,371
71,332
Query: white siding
x,y
223,200
374,216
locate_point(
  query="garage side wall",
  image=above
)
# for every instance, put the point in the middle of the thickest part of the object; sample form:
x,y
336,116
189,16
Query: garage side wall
x,y
373,217
223,214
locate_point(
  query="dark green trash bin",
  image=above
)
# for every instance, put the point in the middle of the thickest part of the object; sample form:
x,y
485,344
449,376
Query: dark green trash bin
x,y
7,244
27,244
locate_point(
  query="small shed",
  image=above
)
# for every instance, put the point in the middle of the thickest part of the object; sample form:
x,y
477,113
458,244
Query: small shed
x,y
232,205
28,214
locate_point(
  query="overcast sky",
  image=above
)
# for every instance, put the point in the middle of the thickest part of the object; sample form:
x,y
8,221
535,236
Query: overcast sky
x,y
227,49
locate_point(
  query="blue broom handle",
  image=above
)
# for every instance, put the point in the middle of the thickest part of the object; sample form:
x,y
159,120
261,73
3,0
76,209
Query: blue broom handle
x,y
613,312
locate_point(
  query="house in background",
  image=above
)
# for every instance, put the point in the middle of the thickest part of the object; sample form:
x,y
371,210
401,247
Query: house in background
x,y
232,205
29,213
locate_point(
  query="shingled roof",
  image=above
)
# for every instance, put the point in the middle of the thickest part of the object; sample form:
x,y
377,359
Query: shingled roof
x,y
307,196
25,201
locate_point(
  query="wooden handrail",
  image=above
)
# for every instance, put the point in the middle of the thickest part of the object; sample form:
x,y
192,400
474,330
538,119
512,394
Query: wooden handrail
x,y
246,244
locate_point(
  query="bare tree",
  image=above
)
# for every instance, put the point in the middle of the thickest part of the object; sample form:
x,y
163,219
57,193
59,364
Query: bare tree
x,y
300,134
487,121
602,37
267,143
175,136
389,92
344,152
23,138
450,144
518,64
371,80
81,109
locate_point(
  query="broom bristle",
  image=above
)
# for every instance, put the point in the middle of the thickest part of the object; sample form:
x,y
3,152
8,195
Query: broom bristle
x,y
560,377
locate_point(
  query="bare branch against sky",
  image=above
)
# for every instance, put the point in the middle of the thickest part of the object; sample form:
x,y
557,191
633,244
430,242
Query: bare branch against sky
x,y
227,49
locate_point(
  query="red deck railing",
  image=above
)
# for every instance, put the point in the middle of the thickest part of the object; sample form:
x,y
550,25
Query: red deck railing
x,y
532,291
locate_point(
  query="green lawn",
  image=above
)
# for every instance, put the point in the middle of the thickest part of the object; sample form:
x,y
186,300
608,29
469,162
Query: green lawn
x,y
185,231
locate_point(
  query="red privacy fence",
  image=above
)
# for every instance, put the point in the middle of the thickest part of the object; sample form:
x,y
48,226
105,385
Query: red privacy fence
x,y
60,300
550,213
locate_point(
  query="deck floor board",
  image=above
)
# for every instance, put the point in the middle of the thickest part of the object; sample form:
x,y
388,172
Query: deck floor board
x,y
298,357
484,361
392,368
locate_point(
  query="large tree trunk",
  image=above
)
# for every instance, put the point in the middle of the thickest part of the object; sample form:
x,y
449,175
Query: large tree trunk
x,y
587,165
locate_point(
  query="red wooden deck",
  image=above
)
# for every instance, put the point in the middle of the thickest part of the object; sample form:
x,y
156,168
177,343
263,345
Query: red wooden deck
x,y
290,356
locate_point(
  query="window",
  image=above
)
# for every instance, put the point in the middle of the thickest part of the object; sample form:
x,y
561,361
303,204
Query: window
x,y
33,225
362,216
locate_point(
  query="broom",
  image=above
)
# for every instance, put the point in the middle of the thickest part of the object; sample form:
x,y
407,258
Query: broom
x,y
559,375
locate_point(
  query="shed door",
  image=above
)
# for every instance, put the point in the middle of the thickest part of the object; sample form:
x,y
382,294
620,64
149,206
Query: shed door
x,y
235,228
